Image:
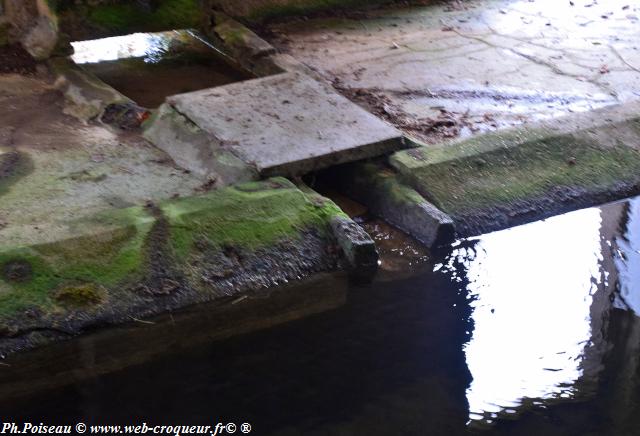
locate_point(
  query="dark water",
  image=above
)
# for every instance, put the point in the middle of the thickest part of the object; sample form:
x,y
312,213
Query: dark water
x,y
148,67
528,331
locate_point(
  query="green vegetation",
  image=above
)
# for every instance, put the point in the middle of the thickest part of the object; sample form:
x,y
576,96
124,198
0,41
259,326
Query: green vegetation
x,y
85,294
114,251
103,259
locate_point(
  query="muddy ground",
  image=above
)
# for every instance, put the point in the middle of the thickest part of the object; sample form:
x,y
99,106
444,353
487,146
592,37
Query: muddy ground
x,y
15,59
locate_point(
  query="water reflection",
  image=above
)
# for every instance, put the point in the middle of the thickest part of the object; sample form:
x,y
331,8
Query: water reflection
x,y
148,67
517,324
150,46
542,297
626,251
531,290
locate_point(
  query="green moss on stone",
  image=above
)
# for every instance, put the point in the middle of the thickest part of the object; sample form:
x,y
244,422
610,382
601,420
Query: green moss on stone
x,y
520,173
105,259
112,251
17,296
79,295
252,215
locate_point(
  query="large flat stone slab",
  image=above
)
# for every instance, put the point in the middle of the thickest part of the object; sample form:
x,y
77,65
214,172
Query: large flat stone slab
x,y
287,124
438,72
507,178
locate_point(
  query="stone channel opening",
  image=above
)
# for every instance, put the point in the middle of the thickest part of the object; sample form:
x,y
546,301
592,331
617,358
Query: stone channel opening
x,y
148,67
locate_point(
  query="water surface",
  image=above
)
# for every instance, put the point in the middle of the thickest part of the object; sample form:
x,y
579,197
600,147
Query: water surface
x,y
532,330
148,67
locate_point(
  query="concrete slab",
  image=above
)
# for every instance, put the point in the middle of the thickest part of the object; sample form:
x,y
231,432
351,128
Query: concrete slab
x,y
287,124
507,178
440,72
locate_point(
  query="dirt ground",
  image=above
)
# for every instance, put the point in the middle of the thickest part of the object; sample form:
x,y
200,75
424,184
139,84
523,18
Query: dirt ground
x,y
453,69
14,59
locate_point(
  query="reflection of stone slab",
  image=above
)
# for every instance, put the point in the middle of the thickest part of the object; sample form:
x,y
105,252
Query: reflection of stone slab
x,y
287,124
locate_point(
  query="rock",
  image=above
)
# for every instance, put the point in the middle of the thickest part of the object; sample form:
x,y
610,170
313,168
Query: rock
x,y
398,204
41,40
357,245
86,96
287,124
126,116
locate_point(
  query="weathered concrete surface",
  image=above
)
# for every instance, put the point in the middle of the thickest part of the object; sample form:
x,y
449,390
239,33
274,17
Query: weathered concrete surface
x,y
68,170
193,148
456,68
286,124
511,177
398,204
98,227
86,95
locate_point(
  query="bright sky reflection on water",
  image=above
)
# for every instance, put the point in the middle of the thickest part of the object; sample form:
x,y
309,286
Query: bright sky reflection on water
x,y
151,46
531,289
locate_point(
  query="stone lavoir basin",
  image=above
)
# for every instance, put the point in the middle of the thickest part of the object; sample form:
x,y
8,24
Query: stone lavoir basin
x,y
148,67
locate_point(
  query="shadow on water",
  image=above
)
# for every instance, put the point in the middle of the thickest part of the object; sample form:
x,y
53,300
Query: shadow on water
x,y
532,330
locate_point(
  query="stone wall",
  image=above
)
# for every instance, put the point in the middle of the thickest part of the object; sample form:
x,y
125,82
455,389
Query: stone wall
x,y
43,26
257,11
30,22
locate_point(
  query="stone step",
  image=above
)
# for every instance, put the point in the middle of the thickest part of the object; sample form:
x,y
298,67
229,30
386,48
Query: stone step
x,y
287,124
512,177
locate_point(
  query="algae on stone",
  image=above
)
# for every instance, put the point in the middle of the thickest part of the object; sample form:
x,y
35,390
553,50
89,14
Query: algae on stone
x,y
528,171
250,215
117,249
504,179
106,258
84,294
89,19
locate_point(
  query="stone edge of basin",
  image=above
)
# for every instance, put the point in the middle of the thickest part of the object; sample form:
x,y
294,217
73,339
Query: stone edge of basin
x,y
397,203
357,246
194,149
86,95
608,129
332,226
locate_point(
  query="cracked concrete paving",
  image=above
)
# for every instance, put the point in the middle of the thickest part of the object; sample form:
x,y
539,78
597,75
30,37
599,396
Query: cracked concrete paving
x,y
453,69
